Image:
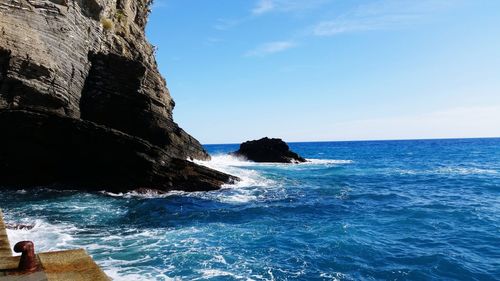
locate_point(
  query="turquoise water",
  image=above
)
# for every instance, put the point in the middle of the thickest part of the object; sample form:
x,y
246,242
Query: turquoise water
x,y
381,210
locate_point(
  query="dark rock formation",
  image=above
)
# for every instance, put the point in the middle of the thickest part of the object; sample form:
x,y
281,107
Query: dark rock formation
x,y
82,101
268,150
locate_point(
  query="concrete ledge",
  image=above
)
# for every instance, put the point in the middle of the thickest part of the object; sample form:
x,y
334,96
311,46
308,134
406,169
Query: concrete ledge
x,y
9,263
5,249
71,265
37,276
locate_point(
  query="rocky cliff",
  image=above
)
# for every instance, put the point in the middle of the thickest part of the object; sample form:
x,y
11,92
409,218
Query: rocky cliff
x,y
82,101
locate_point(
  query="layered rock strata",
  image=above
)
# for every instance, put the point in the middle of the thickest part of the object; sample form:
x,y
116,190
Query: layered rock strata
x,y
82,101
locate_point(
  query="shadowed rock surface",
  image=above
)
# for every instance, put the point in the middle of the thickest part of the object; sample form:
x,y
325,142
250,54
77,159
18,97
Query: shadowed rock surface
x,y
268,150
82,101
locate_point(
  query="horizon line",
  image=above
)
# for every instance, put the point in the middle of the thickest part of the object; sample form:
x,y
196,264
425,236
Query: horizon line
x,y
373,140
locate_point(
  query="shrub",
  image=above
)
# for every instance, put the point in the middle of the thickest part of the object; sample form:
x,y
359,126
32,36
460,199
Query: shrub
x,y
107,24
120,15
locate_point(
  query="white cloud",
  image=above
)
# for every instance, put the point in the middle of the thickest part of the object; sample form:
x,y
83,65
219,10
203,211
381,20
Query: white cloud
x,y
383,14
330,28
225,24
263,6
292,6
270,48
345,25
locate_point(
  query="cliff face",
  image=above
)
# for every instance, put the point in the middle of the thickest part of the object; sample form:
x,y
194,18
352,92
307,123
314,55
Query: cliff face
x,y
84,69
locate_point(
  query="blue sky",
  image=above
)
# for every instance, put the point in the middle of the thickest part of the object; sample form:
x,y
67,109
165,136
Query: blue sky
x,y
319,70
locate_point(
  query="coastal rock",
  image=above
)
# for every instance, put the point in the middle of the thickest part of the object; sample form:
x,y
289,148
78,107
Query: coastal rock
x,y
82,101
63,152
268,150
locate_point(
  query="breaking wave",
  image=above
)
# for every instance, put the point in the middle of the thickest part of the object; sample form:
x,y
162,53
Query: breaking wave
x,y
46,236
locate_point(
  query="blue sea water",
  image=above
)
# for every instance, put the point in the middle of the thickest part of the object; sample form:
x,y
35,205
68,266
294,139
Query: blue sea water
x,y
374,210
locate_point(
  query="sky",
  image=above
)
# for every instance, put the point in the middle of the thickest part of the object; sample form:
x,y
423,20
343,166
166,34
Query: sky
x,y
327,70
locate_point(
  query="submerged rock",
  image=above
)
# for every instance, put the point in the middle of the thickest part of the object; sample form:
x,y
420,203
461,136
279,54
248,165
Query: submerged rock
x,y
20,226
268,150
82,101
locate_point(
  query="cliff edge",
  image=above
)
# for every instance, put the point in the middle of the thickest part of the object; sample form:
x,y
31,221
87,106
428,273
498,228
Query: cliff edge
x,y
82,102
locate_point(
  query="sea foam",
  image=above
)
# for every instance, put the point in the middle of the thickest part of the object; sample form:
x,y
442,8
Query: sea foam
x,y
46,236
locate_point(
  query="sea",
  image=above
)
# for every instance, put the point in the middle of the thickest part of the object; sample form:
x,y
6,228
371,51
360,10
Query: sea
x,y
364,210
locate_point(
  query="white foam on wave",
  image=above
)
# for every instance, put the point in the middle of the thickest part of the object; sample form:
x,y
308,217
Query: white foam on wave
x,y
212,273
254,184
239,167
224,160
118,272
465,171
337,276
448,171
142,243
239,195
146,194
326,162
117,275
45,236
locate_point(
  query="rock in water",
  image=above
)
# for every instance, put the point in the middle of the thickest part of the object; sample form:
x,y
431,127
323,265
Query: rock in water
x,y
268,150
82,102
